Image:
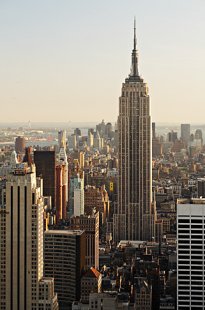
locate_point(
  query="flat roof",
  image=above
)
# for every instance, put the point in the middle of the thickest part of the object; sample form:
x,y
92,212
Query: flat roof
x,y
64,232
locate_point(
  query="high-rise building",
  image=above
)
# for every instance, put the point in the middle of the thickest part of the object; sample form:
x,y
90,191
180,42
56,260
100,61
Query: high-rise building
x,y
185,133
199,135
76,194
20,145
64,259
172,136
90,139
190,254
201,187
90,224
21,240
153,130
61,185
45,162
97,199
133,220
62,139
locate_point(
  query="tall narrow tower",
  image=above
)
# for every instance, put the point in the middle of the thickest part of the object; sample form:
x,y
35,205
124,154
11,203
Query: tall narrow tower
x,y
22,285
133,220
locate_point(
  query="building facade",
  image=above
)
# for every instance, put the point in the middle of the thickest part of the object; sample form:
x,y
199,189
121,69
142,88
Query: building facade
x,y
185,133
45,162
90,224
21,239
190,254
64,258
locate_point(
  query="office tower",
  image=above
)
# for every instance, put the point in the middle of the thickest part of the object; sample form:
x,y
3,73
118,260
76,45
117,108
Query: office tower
x,y
61,185
172,136
21,239
72,142
133,220
59,193
101,128
64,260
201,187
91,226
156,147
98,142
46,168
79,156
76,194
185,133
190,254
90,139
62,139
81,160
97,199
77,132
153,131
108,130
199,135
20,145
28,158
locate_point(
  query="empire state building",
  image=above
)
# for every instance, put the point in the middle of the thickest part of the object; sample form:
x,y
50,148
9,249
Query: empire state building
x,y
134,217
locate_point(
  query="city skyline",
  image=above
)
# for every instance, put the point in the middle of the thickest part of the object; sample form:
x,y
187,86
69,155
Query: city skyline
x,y
45,51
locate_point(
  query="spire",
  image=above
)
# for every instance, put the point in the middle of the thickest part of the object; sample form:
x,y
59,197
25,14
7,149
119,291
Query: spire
x,y
134,66
135,40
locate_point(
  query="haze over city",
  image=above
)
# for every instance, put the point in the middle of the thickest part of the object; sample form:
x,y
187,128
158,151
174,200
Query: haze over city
x,y
102,155
65,61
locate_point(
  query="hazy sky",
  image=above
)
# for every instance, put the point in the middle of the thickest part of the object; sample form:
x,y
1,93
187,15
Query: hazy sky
x,y
64,60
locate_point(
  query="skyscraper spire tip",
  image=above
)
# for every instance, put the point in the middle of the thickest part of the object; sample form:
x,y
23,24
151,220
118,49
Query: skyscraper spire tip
x,y
135,40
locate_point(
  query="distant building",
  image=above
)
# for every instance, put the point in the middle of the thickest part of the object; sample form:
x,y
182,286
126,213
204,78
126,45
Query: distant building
x,y
76,194
20,145
77,132
153,130
61,185
185,133
90,139
45,162
172,136
62,139
97,199
199,135
201,187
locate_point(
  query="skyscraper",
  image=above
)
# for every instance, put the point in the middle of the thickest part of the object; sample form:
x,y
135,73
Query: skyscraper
x,y
64,258
20,145
185,133
45,162
21,239
62,139
61,185
90,224
133,220
190,254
